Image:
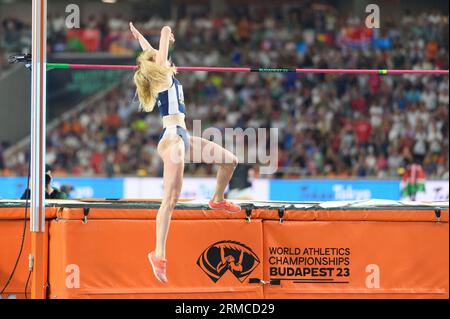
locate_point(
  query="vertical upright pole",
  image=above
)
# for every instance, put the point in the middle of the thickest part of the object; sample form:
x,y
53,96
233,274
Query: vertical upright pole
x,y
38,117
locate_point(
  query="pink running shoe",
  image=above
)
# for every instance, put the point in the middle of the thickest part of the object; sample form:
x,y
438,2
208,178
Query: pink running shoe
x,y
159,267
225,205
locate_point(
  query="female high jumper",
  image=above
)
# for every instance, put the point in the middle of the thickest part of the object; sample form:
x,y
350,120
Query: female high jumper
x,y
157,85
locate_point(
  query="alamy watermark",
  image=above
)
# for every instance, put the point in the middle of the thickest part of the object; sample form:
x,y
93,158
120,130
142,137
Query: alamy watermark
x,y
373,19
250,146
73,17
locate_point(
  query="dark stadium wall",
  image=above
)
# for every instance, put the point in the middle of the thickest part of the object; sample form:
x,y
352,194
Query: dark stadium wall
x,y
68,88
15,93
63,93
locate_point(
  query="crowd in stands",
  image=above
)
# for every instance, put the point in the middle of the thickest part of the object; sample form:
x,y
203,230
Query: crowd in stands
x,y
329,125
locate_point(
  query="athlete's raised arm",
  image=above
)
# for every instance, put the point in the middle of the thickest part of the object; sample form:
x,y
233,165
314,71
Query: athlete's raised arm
x,y
164,42
145,45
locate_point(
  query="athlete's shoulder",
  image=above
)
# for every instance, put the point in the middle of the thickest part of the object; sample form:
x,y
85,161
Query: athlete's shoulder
x,y
175,80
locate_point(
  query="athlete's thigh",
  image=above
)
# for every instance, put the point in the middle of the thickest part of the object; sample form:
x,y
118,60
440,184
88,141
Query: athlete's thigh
x,y
204,151
172,154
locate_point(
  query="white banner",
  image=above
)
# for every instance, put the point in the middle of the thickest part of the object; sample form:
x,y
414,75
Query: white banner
x,y
193,188
434,191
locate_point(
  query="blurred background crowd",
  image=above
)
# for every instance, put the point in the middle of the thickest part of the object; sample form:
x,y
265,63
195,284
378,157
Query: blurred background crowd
x,y
329,125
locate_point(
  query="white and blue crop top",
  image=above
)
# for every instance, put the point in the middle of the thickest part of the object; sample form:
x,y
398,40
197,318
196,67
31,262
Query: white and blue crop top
x,y
171,101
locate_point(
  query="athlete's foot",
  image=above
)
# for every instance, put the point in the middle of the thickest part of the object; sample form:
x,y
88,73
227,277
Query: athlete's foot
x,y
159,267
225,205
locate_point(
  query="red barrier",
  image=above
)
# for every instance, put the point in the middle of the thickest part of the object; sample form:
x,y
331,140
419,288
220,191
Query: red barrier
x,y
108,259
356,259
98,249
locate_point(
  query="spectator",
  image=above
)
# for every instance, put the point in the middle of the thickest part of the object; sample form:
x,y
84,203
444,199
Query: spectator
x,y
50,191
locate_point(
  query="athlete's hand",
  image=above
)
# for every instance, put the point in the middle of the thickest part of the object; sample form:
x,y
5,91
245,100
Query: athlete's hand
x,y
134,31
171,38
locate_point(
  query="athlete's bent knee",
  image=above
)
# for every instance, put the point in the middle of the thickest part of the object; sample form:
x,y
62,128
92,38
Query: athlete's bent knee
x,y
232,161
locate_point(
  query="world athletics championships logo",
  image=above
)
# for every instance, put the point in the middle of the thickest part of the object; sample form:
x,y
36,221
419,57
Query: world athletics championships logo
x,y
225,256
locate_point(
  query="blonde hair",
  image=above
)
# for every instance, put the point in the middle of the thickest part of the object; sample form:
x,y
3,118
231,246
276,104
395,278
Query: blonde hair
x,y
149,77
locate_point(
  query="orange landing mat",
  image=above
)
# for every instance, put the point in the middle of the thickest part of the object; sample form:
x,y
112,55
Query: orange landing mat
x,y
366,249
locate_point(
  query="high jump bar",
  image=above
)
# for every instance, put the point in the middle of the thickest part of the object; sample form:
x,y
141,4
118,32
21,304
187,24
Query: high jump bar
x,y
259,70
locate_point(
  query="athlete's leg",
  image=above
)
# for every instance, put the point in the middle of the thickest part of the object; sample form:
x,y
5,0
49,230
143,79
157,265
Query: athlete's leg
x,y
212,153
171,150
